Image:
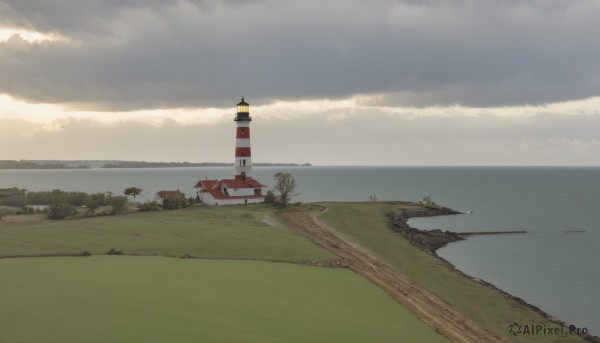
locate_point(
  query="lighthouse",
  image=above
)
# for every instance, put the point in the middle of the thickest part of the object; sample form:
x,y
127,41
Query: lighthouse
x,y
243,188
243,153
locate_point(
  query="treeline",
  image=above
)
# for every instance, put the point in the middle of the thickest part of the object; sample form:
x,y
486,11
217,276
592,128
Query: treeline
x,y
16,197
12,164
144,164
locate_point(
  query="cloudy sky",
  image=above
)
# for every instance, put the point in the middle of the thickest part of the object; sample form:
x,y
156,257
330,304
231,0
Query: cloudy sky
x,y
404,82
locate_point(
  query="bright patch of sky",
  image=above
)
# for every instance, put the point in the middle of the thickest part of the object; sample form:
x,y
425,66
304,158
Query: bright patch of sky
x,y
286,110
29,36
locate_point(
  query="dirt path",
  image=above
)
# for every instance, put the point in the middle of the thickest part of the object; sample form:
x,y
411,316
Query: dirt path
x,y
269,220
428,307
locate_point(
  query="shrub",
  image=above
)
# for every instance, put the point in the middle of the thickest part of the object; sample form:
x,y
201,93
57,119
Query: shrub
x,y
60,211
119,204
270,197
148,206
173,204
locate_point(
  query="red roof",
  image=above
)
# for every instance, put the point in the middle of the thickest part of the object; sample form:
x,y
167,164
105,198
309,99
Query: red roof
x,y
239,183
206,184
171,195
229,183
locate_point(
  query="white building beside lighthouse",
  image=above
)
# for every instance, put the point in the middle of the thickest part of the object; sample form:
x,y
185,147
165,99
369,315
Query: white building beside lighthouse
x,y
242,189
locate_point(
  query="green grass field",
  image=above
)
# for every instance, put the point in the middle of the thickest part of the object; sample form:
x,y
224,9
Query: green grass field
x,y
364,224
147,298
231,232
159,299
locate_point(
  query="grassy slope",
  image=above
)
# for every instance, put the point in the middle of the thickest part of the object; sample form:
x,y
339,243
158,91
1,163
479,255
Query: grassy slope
x,y
157,299
365,225
232,232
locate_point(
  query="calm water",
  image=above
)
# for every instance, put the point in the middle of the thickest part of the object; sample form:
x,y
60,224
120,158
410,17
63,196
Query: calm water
x,y
555,270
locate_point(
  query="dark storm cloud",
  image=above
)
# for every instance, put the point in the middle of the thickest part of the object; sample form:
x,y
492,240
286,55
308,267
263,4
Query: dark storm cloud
x,y
147,54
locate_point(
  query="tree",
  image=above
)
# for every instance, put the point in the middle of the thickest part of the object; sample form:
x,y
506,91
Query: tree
x,y
133,191
285,184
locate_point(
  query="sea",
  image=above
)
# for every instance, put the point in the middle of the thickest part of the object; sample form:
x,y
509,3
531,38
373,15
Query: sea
x,y
554,265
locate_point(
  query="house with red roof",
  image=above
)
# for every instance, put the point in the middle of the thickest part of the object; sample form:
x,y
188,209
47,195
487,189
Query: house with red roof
x,y
174,196
242,189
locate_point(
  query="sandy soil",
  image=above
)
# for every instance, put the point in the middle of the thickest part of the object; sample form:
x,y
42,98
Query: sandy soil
x,y
429,308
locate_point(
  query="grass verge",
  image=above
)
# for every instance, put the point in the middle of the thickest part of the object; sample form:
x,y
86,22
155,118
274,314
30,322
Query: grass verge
x,y
363,225
226,232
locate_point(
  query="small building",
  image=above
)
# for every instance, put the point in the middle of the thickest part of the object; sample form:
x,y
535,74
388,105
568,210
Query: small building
x,y
174,196
230,191
242,189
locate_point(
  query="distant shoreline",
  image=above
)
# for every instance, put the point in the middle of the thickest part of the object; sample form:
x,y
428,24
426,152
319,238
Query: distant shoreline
x,y
187,164
24,164
114,164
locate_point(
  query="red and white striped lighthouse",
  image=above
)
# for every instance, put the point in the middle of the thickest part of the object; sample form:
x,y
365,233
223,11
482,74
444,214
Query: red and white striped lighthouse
x,y
243,155
243,189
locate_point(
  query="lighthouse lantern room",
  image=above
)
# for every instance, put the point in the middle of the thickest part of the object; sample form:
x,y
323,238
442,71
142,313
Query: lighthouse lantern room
x,y
242,189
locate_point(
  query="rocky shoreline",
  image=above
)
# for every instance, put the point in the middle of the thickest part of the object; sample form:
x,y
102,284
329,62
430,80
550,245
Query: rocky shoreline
x,y
431,240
